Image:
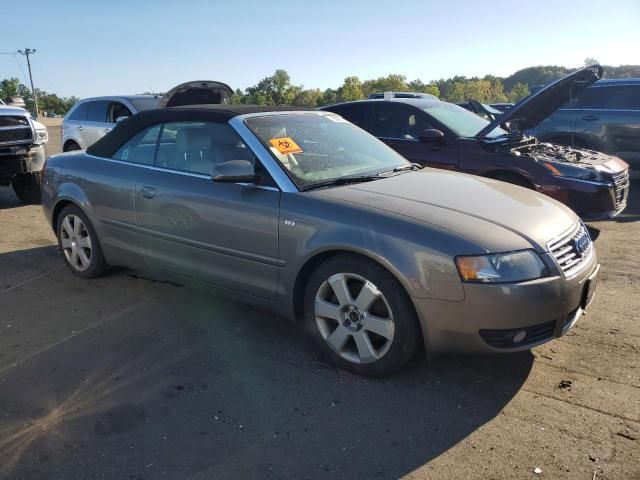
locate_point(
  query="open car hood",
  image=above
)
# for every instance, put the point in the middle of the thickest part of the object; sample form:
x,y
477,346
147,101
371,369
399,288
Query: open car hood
x,y
532,110
199,92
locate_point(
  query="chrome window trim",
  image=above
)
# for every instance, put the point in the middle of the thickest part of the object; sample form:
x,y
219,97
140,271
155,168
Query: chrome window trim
x,y
178,172
598,109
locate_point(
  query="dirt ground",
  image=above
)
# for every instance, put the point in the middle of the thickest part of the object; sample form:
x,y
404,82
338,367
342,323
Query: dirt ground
x,y
128,378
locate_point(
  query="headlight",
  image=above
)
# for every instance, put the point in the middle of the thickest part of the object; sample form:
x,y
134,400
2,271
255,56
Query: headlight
x,y
501,267
568,170
42,136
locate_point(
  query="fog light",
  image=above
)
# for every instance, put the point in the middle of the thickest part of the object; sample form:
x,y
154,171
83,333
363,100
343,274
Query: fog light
x,y
520,336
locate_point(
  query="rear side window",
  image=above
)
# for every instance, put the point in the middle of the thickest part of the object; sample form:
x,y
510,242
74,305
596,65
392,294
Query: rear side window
x,y
80,113
118,110
591,98
98,111
141,148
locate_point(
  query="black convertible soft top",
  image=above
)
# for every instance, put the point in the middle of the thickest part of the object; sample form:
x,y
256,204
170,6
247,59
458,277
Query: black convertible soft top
x,y
123,131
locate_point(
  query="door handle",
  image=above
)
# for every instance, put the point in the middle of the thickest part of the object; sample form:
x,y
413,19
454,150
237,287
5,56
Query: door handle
x,y
590,118
148,192
106,130
80,127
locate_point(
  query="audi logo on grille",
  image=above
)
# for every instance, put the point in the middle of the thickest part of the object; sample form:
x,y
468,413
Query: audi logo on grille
x,y
581,242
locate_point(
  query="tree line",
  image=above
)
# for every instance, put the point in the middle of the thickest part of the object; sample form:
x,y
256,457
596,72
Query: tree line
x,y
278,89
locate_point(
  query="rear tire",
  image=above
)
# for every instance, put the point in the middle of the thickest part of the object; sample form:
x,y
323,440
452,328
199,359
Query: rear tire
x,y
78,243
27,187
360,316
71,146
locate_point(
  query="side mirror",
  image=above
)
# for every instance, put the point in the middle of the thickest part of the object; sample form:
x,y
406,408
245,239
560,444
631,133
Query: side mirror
x,y
431,135
234,171
119,119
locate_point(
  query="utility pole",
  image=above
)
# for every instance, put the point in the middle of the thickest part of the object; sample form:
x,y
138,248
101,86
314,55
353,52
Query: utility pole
x,y
26,52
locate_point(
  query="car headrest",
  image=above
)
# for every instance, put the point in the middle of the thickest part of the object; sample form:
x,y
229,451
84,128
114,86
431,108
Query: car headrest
x,y
193,139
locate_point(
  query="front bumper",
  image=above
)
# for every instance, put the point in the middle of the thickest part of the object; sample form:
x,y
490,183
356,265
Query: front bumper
x,y
21,159
593,200
489,317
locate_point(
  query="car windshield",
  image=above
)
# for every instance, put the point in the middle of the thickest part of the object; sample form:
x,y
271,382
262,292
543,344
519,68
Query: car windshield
x,y
460,120
144,103
317,148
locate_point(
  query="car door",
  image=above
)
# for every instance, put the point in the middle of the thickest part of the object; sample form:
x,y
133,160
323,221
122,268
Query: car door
x,y
620,120
225,234
111,186
96,126
400,125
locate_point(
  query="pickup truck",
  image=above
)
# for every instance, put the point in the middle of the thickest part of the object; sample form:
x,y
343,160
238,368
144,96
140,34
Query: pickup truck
x,y
22,152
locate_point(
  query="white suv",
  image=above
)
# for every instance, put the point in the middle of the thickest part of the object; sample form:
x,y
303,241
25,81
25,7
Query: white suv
x,y
92,118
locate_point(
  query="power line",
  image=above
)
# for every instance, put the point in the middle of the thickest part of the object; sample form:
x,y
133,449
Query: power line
x,y
26,52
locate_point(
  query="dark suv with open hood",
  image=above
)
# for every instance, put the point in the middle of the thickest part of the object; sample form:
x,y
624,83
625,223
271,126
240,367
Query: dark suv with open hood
x,y
443,135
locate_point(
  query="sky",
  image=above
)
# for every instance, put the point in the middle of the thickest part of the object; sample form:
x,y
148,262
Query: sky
x,y
97,47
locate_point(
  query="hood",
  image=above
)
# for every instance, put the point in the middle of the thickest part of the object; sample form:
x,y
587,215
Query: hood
x,y
532,110
494,215
10,110
199,92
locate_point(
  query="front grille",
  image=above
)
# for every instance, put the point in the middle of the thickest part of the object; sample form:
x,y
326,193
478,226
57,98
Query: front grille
x,y
572,250
15,134
503,338
620,186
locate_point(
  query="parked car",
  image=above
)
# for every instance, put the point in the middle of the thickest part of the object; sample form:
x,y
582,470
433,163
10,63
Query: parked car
x,y
482,109
604,117
92,118
389,95
305,213
442,135
22,152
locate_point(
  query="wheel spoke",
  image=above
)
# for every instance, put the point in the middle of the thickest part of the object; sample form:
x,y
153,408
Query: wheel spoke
x,y
74,256
65,242
366,351
84,259
367,296
381,326
338,338
77,226
327,309
85,242
66,225
339,285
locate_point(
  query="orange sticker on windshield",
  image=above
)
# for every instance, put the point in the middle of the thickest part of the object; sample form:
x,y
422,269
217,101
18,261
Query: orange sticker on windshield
x,y
285,145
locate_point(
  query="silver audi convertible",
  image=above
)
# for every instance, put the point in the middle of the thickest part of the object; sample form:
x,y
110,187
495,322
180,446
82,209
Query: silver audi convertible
x,y
306,213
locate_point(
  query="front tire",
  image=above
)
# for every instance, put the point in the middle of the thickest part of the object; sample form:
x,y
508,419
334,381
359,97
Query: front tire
x,y
360,316
79,244
27,187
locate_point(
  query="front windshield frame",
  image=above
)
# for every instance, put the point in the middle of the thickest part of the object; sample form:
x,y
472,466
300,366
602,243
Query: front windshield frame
x,y
387,160
474,123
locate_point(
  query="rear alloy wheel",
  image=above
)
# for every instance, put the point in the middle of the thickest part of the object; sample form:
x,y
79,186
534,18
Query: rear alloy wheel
x,y
27,187
361,316
78,244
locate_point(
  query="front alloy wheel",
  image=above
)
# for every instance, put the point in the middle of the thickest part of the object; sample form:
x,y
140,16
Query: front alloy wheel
x,y
360,316
354,318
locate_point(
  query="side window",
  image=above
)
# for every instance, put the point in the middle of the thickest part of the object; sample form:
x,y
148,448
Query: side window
x,y
354,112
389,120
592,97
80,113
98,111
196,147
623,97
117,110
141,148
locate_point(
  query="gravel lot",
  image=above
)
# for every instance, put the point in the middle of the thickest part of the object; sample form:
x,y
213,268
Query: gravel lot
x,y
128,378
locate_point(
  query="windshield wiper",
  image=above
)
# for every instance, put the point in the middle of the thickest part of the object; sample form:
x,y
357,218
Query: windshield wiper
x,y
341,181
404,168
